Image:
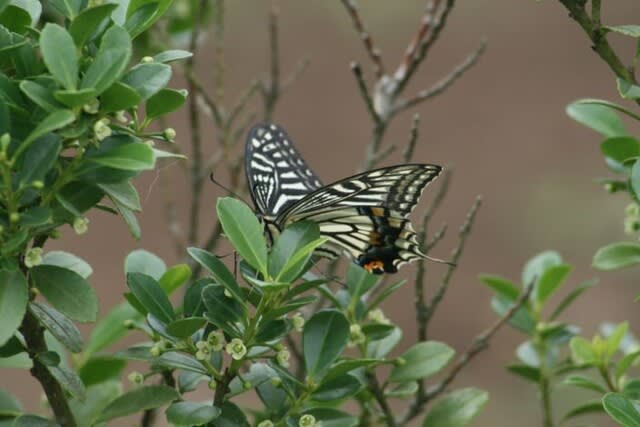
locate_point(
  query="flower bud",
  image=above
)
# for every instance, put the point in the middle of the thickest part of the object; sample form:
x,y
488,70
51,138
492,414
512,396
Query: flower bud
x,y
80,225
135,377
33,257
298,322
307,420
212,384
101,129
283,357
91,107
37,184
216,340
266,423
146,59
155,351
170,134
236,349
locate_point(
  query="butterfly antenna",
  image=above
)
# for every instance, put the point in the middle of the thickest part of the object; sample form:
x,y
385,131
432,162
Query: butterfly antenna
x,y
227,189
440,261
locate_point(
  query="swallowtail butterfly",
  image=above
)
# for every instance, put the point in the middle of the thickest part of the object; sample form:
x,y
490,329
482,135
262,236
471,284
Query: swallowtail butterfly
x,y
365,216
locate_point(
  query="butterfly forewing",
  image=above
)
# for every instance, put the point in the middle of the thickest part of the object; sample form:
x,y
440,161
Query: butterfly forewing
x,y
364,216
276,173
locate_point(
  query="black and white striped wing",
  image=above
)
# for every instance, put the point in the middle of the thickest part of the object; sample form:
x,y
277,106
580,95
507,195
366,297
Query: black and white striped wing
x,y
276,173
366,215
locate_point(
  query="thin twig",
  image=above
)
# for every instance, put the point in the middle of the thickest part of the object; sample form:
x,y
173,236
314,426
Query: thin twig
x,y
382,155
463,234
303,64
428,38
241,103
479,343
271,89
407,154
216,112
444,83
364,92
378,394
374,53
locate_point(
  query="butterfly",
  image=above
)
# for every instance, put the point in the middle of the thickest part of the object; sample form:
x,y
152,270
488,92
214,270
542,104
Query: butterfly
x,y
365,216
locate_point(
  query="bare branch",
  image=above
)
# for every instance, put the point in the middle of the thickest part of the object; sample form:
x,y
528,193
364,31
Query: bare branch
x,y
407,154
241,103
444,83
211,106
364,92
301,67
374,53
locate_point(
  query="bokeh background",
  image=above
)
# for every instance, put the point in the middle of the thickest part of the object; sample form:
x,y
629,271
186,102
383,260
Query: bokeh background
x,y
501,128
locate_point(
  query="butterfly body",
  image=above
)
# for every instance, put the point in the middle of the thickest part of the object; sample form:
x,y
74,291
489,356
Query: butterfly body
x,y
364,216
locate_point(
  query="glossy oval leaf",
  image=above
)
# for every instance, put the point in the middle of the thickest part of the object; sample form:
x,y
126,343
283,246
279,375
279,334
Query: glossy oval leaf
x,y
67,291
151,296
111,60
621,409
59,54
219,271
244,231
324,338
191,413
617,255
89,21
550,281
422,360
164,102
59,325
13,302
148,79
456,409
68,261
138,400
598,117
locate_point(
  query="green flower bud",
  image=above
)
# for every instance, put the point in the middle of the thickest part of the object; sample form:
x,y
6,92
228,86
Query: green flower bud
x,y
298,322
121,116
38,185
212,384
80,225
266,423
170,134
5,139
135,377
216,340
247,385
55,234
400,361
146,59
377,315
129,324
236,349
275,381
155,351
355,335
101,129
33,257
307,420
91,107
204,350
14,217
283,357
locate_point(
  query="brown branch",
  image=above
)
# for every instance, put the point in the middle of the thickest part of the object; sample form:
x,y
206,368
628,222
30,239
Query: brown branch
x,y
444,83
374,53
216,112
427,35
364,92
303,64
407,154
378,394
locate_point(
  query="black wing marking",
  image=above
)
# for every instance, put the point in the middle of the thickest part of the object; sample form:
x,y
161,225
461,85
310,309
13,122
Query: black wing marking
x,y
277,175
366,216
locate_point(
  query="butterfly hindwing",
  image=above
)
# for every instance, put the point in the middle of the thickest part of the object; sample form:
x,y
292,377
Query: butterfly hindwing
x,y
364,216
276,173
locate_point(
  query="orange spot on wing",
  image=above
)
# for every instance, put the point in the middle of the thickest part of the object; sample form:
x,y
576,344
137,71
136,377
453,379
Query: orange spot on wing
x,y
374,265
377,211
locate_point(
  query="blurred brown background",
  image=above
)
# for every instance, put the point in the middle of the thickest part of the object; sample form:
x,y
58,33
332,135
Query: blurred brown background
x,y
501,128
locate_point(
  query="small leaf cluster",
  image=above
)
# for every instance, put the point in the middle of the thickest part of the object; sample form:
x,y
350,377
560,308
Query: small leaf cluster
x,y
250,336
621,151
72,130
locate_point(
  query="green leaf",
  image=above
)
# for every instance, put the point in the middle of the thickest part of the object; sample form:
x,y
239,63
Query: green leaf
x,y
231,416
359,281
590,407
148,79
184,328
33,7
526,372
219,271
75,98
118,97
501,286
621,409
617,150
631,389
536,266
337,388
575,293
550,281
53,121
164,102
222,311
41,95
151,296
625,363
244,231
13,302
39,159
59,325
26,420
330,417
582,352
69,380
379,349
171,55
15,19
134,12
59,54
89,21
69,8
191,413
611,106
598,117
192,302
36,217
627,30
98,397
129,218
138,400
292,239
110,61
626,89
125,193
109,329
174,277
67,291
175,360
68,261
584,382
615,338
617,255
457,408
9,405
635,179
100,369
134,156
421,361
141,261
324,338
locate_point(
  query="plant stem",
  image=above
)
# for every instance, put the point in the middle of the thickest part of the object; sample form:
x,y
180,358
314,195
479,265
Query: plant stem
x,y
545,398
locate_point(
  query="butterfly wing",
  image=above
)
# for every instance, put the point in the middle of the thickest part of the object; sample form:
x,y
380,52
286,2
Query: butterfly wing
x,y
276,173
366,215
